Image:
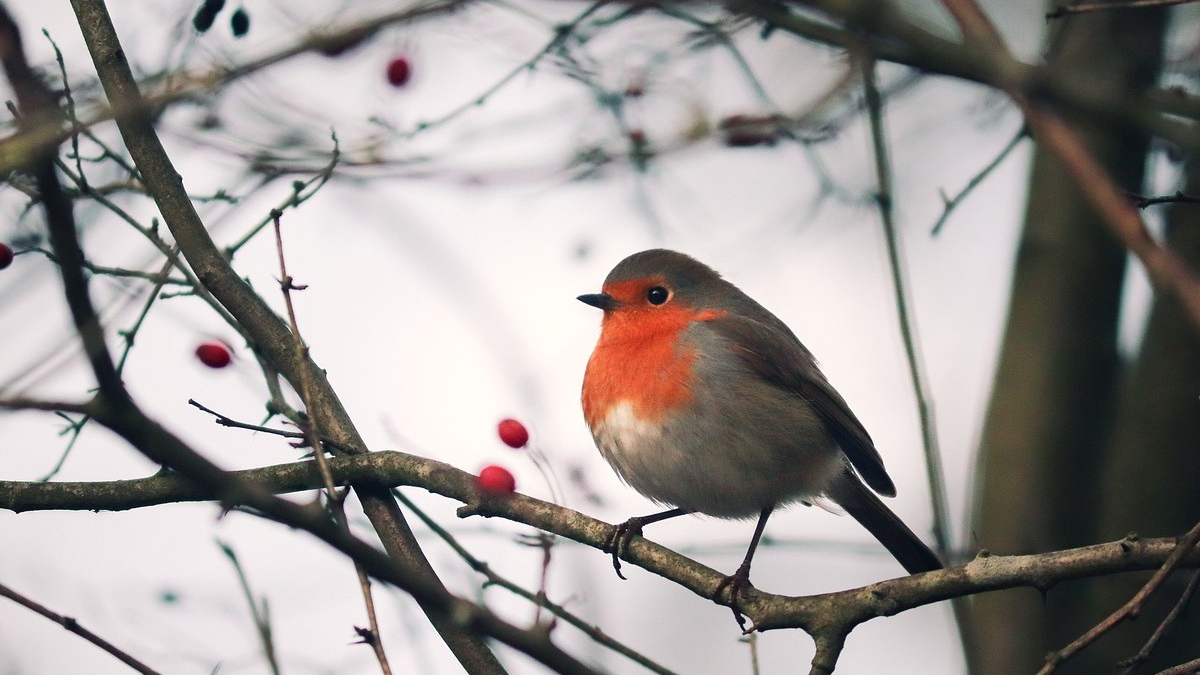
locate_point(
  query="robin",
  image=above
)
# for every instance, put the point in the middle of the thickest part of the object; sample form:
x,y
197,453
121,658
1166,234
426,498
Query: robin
x,y
701,399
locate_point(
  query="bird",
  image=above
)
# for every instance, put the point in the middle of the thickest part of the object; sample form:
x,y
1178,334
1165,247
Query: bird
x,y
703,400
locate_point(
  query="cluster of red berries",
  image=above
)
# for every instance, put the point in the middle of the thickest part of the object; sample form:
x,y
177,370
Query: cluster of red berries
x,y
6,255
494,479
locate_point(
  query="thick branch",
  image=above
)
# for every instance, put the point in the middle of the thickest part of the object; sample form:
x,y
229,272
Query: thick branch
x,y
819,614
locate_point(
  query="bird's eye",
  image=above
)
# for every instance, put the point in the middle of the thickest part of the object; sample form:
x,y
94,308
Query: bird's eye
x,y
657,295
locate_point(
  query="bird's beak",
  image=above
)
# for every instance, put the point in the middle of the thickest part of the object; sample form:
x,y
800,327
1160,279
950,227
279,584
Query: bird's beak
x,y
599,300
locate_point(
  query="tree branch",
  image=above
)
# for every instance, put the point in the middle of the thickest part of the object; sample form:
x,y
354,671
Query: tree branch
x,y
271,336
73,626
891,36
1128,611
1167,271
816,614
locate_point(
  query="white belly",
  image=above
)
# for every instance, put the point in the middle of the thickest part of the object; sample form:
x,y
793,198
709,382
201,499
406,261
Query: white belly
x,y
672,464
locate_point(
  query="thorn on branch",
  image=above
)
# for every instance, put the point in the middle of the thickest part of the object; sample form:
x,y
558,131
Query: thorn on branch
x,y
288,283
1178,198
1128,543
365,636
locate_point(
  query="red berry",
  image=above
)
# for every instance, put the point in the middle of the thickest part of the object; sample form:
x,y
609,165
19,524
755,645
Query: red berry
x,y
513,433
744,131
399,71
214,354
6,256
495,480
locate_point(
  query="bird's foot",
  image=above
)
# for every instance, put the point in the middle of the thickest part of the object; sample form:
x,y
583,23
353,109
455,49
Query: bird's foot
x,y
618,540
737,583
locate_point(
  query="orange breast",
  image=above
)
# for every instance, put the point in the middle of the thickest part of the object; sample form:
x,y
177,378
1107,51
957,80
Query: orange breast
x,y
639,359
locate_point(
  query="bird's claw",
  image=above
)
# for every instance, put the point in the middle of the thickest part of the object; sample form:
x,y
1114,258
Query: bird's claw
x,y
618,541
737,583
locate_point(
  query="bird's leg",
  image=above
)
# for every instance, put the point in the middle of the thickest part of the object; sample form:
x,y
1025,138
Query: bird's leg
x,y
622,534
739,581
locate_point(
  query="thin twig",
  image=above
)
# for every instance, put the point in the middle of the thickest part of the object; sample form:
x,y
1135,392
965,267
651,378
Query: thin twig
x,y
73,626
1136,660
261,616
232,423
21,403
495,579
16,150
1131,608
169,251
933,458
561,33
751,640
302,191
70,108
1169,272
130,334
76,427
334,499
949,204
1177,198
158,278
462,623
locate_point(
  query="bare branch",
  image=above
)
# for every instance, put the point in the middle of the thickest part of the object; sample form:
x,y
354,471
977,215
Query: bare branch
x,y
1144,653
1081,8
1168,272
16,150
816,614
1187,544
73,626
39,404
493,578
891,36
1177,198
371,635
271,336
260,615
952,203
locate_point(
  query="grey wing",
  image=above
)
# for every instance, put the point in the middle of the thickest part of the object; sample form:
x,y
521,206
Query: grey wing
x,y
793,368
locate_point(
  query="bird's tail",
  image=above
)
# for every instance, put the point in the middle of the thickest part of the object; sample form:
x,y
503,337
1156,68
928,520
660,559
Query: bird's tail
x,y
860,502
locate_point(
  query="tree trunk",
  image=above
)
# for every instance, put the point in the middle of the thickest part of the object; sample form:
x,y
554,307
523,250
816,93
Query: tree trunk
x,y
1153,468
1041,454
